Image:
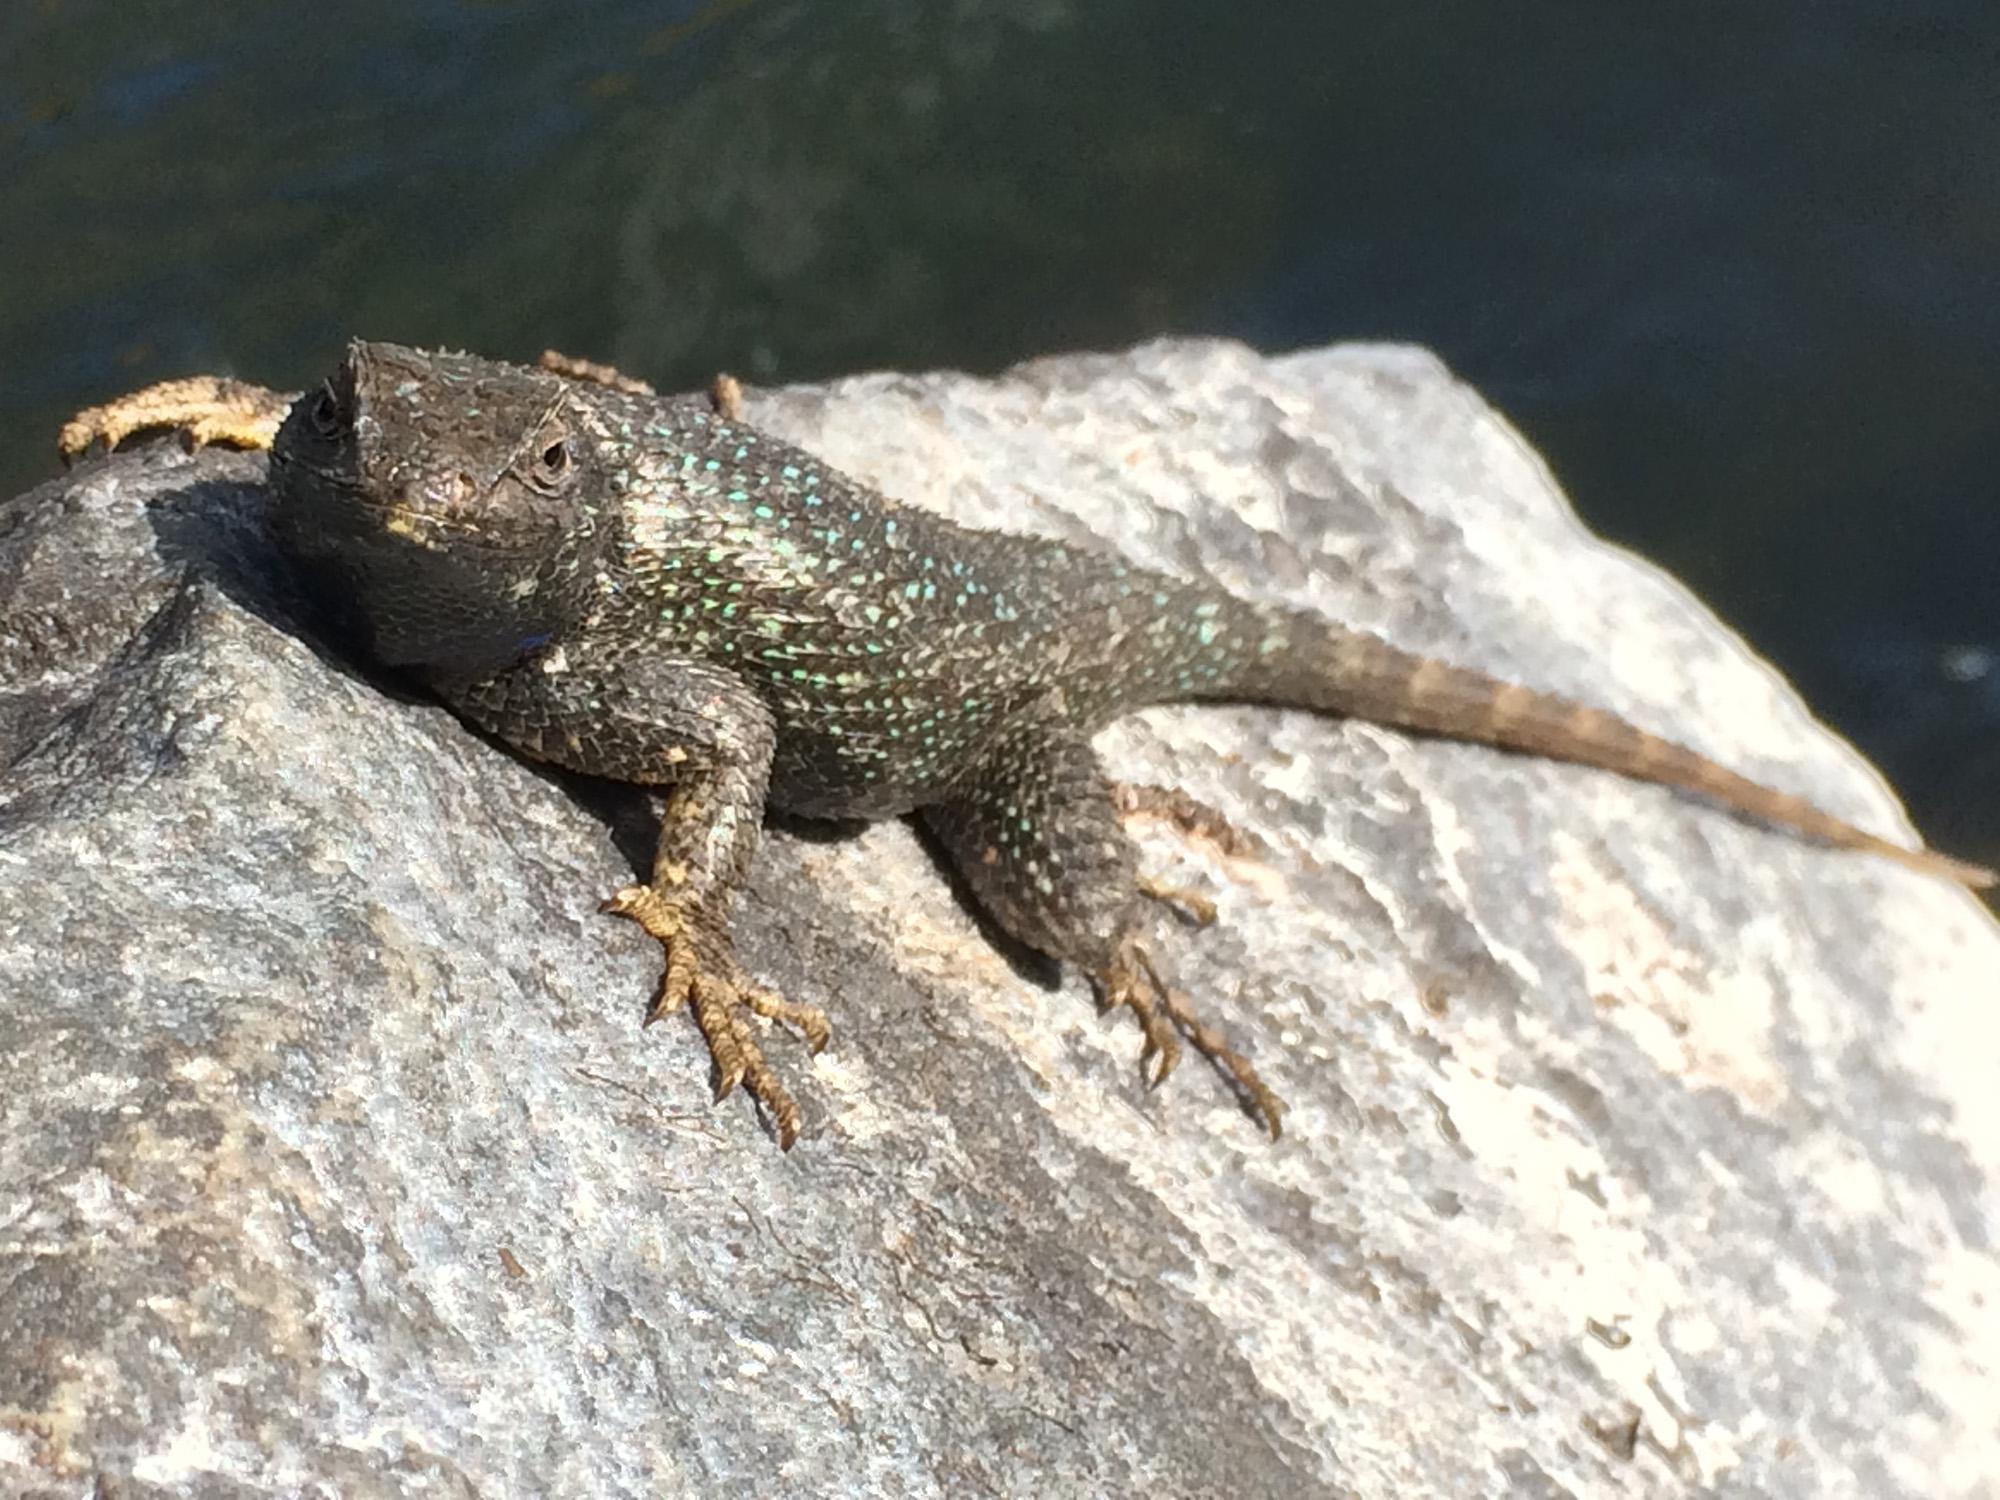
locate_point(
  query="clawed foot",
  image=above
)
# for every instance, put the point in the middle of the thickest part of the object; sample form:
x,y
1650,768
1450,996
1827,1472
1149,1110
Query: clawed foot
x,y
208,408
1131,980
1193,818
611,376
725,394
702,973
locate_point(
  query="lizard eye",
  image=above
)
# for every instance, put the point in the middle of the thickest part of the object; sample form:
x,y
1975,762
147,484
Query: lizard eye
x,y
552,467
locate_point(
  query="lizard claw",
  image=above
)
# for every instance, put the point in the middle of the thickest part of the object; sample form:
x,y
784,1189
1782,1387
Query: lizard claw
x,y
702,973
1131,980
663,920
1127,983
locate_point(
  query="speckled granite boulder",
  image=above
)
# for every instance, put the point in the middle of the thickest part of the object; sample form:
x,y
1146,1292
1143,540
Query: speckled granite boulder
x,y
1634,1149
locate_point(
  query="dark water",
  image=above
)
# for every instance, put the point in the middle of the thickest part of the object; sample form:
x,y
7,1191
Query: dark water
x,y
1734,266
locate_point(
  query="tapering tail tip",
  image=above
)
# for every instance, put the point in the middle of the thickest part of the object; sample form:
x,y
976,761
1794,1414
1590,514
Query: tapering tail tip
x,y
1318,665
1976,876
1930,862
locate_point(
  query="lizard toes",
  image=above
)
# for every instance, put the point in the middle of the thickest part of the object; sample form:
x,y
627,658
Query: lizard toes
x,y
703,974
1165,1014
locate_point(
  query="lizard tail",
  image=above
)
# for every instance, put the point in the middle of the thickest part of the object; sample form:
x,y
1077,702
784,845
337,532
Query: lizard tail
x,y
1362,676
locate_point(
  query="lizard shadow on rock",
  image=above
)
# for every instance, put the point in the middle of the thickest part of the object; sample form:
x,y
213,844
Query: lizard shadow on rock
x,y
1029,964
216,530
101,618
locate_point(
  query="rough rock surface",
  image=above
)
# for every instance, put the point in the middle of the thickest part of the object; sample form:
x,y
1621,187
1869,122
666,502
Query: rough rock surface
x,y
1633,1149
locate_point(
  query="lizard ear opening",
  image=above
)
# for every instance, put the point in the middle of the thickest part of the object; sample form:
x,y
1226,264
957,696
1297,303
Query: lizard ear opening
x,y
327,413
323,414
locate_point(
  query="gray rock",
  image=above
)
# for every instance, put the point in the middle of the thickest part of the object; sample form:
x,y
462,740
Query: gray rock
x,y
1634,1149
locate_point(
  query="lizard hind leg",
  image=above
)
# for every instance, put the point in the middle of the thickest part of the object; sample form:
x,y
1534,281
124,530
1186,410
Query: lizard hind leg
x,y
1036,836
1132,980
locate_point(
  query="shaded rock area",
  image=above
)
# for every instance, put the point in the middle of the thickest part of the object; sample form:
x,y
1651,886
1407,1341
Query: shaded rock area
x,y
1633,1149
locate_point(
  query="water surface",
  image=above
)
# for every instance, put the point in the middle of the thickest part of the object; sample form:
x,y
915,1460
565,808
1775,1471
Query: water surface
x,y
1734,266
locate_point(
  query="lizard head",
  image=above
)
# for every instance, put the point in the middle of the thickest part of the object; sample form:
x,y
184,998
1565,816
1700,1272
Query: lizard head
x,y
443,506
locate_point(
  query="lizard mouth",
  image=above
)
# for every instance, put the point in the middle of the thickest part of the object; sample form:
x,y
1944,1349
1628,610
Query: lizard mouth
x,y
413,526
433,511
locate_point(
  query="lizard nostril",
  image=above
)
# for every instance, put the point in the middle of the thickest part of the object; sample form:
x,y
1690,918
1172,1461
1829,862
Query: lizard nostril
x,y
443,492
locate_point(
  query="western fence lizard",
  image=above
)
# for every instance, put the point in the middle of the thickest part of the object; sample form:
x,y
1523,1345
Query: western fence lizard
x,y
651,590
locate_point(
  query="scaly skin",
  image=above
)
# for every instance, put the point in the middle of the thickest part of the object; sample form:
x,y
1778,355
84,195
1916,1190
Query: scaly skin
x,y
651,590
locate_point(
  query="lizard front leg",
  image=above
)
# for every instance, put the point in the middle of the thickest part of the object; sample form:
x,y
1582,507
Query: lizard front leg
x,y
686,906
208,408
215,409
700,732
